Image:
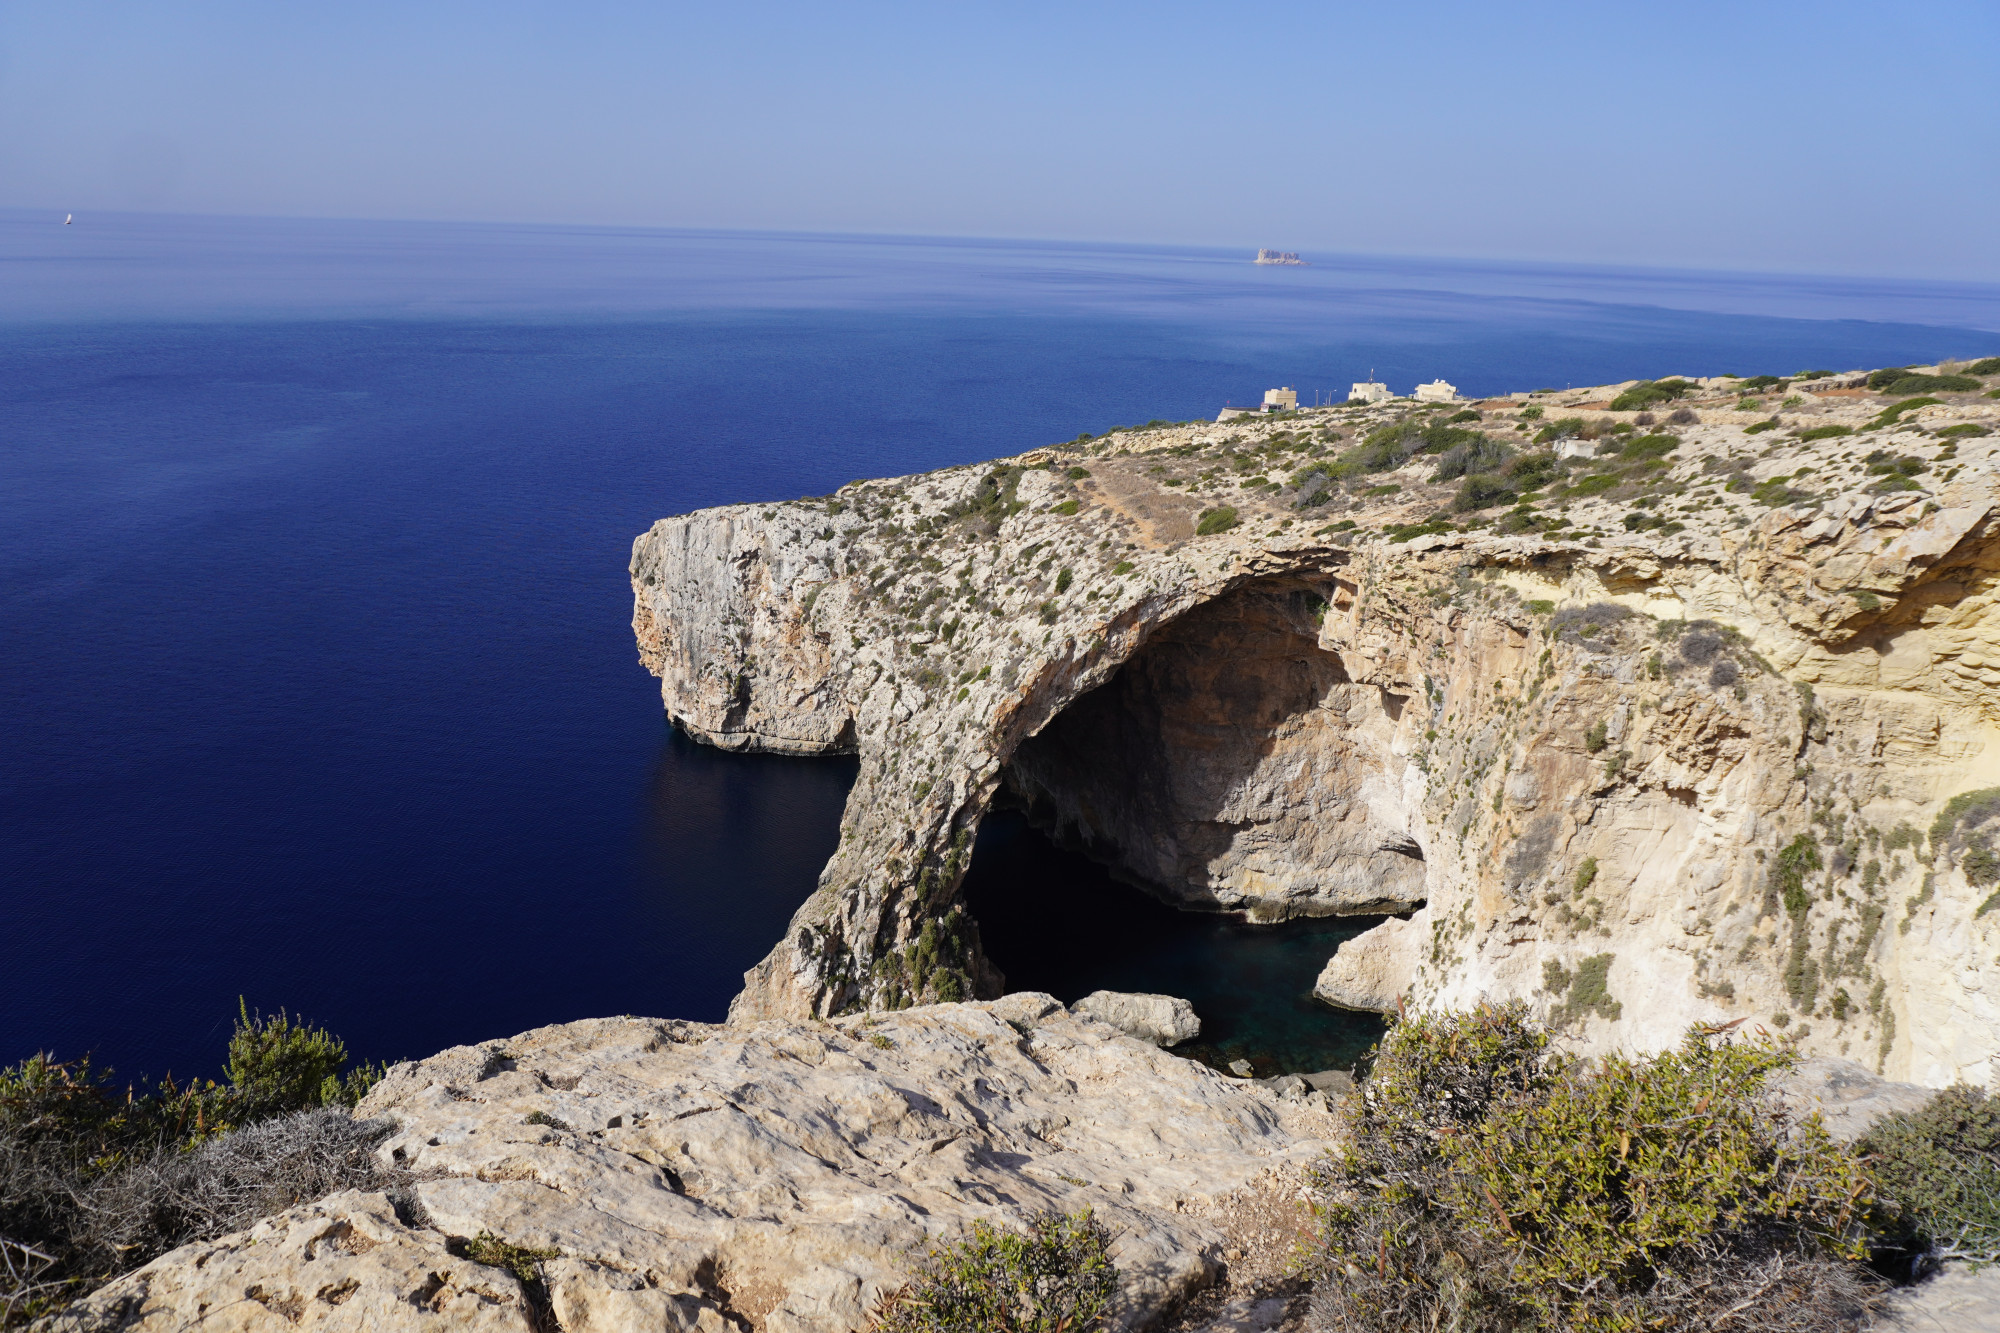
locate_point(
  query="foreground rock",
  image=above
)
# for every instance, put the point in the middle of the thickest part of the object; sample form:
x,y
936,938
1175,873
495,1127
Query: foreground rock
x,y
1164,1020
1663,743
680,1176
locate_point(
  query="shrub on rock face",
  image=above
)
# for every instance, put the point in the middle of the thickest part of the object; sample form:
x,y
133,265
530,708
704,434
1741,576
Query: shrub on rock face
x,y
1493,1184
1216,520
1055,1278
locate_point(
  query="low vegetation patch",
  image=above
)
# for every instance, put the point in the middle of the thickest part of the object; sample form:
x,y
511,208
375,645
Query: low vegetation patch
x,y
1493,1184
1212,521
1056,1277
1646,393
97,1179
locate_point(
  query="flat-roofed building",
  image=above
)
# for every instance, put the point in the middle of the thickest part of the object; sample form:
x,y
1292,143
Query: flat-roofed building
x,y
1437,391
1280,400
1369,391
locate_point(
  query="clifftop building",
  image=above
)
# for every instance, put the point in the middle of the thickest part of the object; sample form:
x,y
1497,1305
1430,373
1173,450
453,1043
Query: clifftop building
x,y
1369,391
1437,391
1281,400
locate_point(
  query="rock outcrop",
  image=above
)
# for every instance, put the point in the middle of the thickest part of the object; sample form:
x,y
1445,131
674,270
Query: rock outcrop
x,y
780,1176
1164,1020
1661,743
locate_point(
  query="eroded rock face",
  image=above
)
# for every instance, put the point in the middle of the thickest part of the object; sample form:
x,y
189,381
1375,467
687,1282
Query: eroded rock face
x,y
1232,763
1280,720
777,1176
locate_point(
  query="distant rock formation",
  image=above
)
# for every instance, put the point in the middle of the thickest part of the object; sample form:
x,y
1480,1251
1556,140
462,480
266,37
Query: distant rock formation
x,y
1280,257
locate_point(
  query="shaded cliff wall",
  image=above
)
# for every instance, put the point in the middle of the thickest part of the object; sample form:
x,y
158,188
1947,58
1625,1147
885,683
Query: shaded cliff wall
x,y
1233,764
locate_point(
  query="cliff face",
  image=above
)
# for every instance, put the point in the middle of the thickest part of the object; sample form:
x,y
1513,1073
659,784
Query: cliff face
x,y
1662,743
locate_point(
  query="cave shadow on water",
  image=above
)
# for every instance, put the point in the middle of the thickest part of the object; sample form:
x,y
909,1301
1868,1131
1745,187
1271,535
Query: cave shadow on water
x,y
1055,921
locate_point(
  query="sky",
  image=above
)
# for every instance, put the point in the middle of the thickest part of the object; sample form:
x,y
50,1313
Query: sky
x,y
1829,137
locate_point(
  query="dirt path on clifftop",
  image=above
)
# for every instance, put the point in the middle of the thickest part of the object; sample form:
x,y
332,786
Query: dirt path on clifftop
x,y
1162,519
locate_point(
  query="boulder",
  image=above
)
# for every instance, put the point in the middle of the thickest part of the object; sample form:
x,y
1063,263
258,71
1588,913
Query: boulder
x,y
1164,1020
1847,1096
1372,970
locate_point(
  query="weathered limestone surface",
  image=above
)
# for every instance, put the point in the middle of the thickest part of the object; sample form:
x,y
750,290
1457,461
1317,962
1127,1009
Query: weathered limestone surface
x,y
775,1175
1284,719
1164,1020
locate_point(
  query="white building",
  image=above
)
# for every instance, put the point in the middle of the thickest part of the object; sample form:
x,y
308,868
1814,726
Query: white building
x,y
1437,391
1369,391
1280,400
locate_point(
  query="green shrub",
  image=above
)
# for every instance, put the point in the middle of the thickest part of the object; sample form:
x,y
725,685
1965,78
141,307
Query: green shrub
x,y
1563,428
1063,580
1964,429
1067,508
1212,521
1825,432
1762,382
1492,1184
1939,1166
1760,427
1431,527
1788,873
99,1178
1915,384
1055,1278
1531,414
1985,366
1890,415
1648,392
277,1066
1648,446
1533,471
1882,379
1594,739
1482,491
1479,454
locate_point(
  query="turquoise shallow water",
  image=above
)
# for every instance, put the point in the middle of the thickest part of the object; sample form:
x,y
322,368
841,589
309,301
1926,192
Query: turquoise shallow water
x,y
317,683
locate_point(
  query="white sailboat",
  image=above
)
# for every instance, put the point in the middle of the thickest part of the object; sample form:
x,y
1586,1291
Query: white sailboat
x,y
68,218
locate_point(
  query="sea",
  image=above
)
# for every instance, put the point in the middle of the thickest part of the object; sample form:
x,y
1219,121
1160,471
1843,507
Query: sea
x,y
317,684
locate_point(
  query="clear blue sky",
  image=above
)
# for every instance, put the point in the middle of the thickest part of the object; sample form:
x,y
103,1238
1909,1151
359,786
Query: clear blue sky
x,y
1829,137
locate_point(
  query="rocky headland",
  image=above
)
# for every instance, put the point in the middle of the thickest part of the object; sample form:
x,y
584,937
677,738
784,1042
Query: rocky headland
x,y
1646,703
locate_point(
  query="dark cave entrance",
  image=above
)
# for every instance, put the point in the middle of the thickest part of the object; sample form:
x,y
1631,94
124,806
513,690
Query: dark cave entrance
x,y
1053,920
1212,822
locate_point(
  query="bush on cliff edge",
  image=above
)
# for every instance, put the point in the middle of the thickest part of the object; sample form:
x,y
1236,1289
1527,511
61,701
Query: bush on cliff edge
x,y
96,1180
1493,1184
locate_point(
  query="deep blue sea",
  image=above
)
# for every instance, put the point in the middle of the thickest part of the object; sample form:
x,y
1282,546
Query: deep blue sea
x,y
317,685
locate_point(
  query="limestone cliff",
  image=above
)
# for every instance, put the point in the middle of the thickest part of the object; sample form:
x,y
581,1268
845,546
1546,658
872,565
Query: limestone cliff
x,y
1648,722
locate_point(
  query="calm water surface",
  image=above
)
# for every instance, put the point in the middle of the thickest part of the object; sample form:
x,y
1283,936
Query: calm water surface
x,y
317,677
